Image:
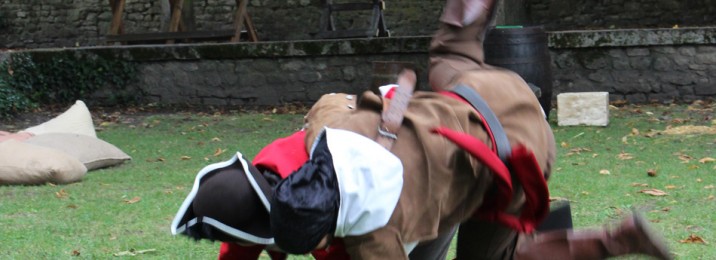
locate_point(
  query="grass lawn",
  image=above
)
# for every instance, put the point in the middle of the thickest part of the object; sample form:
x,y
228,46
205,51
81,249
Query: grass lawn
x,y
127,210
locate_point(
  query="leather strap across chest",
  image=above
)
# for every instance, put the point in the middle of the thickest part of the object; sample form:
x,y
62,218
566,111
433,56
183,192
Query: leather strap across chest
x,y
392,117
499,138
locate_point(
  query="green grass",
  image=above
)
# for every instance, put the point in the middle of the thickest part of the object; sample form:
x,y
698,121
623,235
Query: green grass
x,y
92,219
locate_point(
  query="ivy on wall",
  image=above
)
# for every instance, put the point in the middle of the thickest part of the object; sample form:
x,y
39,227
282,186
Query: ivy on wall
x,y
29,80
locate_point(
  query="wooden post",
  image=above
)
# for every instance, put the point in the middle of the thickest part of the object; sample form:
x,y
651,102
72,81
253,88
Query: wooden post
x,y
176,7
250,30
239,19
116,27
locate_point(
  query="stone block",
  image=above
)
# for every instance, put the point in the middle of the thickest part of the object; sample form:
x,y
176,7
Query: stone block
x,y
583,108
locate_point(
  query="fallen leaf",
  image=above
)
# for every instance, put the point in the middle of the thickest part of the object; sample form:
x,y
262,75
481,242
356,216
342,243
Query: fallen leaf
x,y
625,156
625,140
557,198
711,197
709,187
670,187
595,155
639,185
578,150
75,252
634,131
133,200
72,206
564,144
604,172
653,192
684,158
652,133
651,172
215,139
693,167
218,152
62,194
699,180
133,252
159,159
693,239
184,158
707,160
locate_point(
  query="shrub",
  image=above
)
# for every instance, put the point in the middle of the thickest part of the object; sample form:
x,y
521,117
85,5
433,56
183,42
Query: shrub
x,y
63,77
11,100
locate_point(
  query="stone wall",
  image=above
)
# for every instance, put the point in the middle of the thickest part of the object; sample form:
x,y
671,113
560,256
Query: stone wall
x,y
255,74
637,65
70,23
660,65
610,14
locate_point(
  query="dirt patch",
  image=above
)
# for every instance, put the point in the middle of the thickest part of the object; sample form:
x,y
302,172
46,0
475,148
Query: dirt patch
x,y
690,130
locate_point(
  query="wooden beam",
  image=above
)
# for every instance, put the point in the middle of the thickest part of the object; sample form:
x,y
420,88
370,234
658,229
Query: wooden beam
x,y
160,37
250,30
239,19
116,27
175,6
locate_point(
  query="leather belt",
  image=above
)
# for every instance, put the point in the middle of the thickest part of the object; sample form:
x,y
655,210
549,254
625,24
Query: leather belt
x,y
392,117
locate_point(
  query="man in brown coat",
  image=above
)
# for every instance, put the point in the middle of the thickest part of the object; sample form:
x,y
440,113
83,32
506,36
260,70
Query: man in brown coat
x,y
444,182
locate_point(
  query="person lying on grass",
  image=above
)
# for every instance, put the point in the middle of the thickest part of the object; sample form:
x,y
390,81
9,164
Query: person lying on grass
x,y
388,176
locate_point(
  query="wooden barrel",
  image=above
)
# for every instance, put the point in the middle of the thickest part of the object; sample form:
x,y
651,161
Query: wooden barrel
x,y
525,51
